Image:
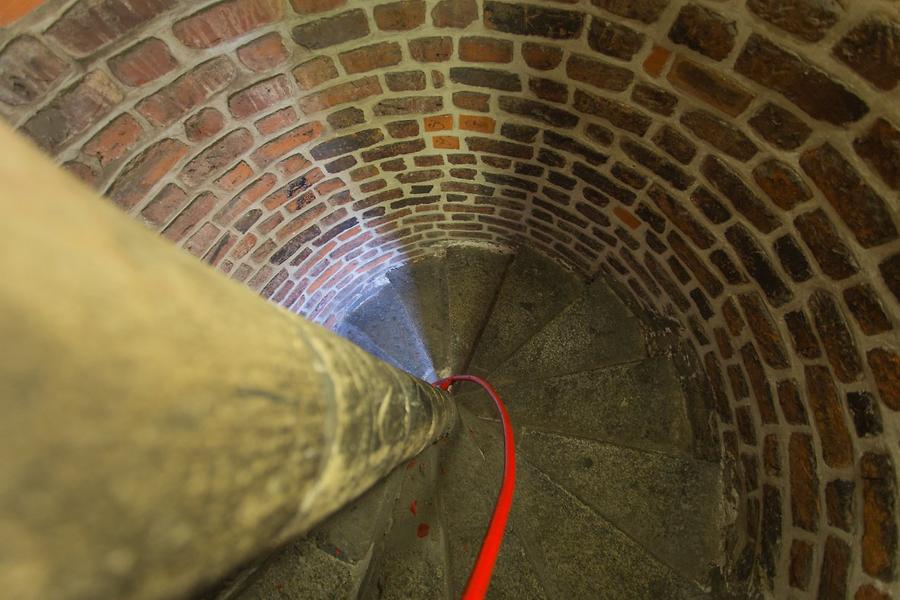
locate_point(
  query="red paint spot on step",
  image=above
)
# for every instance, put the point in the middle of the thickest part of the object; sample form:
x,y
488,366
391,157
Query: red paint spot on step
x,y
422,530
337,551
413,508
411,464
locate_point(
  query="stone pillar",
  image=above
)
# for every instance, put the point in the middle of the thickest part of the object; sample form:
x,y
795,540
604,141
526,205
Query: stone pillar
x,y
159,423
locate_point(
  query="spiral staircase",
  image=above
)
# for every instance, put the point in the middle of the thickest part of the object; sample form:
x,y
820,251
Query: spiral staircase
x,y
613,500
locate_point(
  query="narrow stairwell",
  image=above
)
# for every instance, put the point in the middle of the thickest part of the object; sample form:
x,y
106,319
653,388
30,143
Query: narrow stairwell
x,y
612,501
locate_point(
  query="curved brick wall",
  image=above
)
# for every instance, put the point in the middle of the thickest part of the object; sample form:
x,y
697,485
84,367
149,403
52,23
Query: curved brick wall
x,y
732,165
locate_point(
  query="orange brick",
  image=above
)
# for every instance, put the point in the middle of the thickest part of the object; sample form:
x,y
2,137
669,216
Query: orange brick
x,y
439,123
13,10
448,142
626,217
477,123
656,60
233,178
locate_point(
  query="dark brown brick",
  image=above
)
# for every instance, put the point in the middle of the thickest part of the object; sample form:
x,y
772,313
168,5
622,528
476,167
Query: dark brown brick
x,y
619,114
598,73
762,393
792,258
548,89
405,81
779,127
371,57
402,129
681,217
314,72
226,21
829,417
804,482
399,16
74,111
867,308
802,335
188,91
480,144
791,405
599,134
655,98
801,564
92,24
771,455
346,117
839,503
561,142
709,281
764,331
742,198
726,267
885,365
709,205
770,545
144,62
489,78
781,183
890,272
809,20
835,568
454,13
834,257
541,56
422,105
758,265
814,91
720,134
472,101
330,31
656,163
865,413
538,111
835,335
392,150
144,171
614,39
532,19
879,536
880,147
745,426
704,30
628,176
646,11
308,7
346,144
872,49
709,86
28,70
859,206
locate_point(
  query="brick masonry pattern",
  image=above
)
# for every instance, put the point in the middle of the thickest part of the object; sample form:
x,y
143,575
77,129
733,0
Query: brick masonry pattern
x,y
731,166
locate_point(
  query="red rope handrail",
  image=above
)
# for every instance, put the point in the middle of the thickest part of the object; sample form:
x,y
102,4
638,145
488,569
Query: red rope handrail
x,y
480,578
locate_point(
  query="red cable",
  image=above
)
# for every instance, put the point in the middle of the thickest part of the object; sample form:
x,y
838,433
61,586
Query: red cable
x,y
480,578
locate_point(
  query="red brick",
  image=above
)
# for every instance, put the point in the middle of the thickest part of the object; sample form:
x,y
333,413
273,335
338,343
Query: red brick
x,y
863,302
801,564
454,13
276,121
115,140
541,56
472,101
431,49
226,21
259,97
879,536
188,91
74,111
144,171
351,91
235,177
485,49
885,365
242,201
447,142
286,142
202,239
158,211
656,60
400,16
315,72
835,568
190,216
81,171
263,53
880,147
218,155
804,482
204,124
477,123
829,417
307,7
142,63
28,70
367,58
92,24
292,164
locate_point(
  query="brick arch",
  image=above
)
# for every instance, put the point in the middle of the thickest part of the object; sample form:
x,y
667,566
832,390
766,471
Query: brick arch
x,y
732,166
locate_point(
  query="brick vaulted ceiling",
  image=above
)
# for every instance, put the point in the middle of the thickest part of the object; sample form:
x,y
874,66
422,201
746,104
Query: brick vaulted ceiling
x,y
733,165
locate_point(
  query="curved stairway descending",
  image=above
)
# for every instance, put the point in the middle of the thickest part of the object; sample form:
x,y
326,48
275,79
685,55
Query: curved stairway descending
x,y
610,500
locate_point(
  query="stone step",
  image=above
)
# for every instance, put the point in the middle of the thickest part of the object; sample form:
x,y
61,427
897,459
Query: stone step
x,y
593,331
330,562
638,405
422,287
413,561
671,506
384,320
534,290
361,339
473,277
